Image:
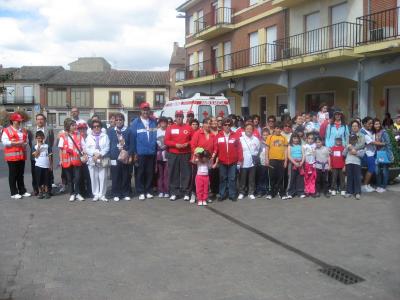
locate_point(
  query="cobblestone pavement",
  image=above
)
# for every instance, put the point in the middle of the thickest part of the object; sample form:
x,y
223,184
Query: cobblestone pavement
x,y
156,249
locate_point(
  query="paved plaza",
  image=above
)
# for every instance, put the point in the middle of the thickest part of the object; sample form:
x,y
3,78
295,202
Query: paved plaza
x,y
157,249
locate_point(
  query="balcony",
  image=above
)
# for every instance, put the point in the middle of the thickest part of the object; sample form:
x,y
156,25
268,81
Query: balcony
x,y
380,32
248,61
214,24
326,44
12,100
287,3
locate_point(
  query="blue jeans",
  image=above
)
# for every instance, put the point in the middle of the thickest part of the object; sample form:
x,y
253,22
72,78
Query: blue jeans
x,y
227,180
382,175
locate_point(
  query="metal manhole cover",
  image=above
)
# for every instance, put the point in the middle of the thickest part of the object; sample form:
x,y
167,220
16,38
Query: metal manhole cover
x,y
341,275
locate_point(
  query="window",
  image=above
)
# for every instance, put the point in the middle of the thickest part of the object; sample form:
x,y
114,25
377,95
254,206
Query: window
x,y
159,99
51,119
201,64
205,111
101,113
115,98
191,65
179,75
252,2
80,97
61,118
254,49
227,56
57,97
84,115
221,111
314,101
139,98
191,24
313,37
10,94
200,21
28,94
29,113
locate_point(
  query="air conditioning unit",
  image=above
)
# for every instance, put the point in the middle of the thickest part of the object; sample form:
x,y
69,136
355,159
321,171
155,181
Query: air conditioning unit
x,y
380,34
290,52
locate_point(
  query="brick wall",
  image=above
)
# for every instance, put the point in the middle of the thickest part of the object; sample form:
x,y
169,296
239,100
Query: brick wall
x,y
379,5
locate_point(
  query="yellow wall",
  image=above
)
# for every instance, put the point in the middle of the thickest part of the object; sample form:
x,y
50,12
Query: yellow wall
x,y
102,96
270,91
340,86
378,91
236,106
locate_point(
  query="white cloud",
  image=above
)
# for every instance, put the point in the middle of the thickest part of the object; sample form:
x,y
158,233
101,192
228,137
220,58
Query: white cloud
x,y
131,34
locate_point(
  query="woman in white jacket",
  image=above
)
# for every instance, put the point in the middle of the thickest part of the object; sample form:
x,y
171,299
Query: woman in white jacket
x,y
97,148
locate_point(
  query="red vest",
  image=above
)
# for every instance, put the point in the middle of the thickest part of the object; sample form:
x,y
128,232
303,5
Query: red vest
x,y
70,157
15,153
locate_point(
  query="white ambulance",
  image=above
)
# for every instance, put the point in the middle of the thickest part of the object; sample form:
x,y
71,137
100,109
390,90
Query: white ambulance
x,y
202,107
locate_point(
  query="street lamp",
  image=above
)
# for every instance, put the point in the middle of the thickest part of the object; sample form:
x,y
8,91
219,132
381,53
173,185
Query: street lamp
x,y
179,93
231,84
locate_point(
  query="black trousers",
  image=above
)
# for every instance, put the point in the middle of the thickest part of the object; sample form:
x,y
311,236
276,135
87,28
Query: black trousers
x,y
34,181
247,181
73,177
179,173
296,182
145,173
214,180
353,172
322,182
85,184
193,179
277,174
16,177
121,175
42,176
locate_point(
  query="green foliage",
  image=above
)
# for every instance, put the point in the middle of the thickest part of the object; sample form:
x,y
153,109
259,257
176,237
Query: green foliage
x,y
395,147
4,78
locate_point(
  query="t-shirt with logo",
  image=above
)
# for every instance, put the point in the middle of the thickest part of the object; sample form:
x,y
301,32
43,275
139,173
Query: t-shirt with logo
x,y
277,145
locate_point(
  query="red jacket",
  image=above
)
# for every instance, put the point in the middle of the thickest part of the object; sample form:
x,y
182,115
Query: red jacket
x,y
199,140
178,134
231,153
337,158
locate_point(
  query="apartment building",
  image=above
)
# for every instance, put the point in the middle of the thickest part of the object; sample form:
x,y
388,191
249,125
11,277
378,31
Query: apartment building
x,y
22,90
268,56
177,70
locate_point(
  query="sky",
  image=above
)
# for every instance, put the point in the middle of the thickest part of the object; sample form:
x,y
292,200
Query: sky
x,y
130,34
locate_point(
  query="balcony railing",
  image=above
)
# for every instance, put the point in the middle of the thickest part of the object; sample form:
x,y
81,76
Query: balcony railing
x,y
222,15
380,26
337,36
7,99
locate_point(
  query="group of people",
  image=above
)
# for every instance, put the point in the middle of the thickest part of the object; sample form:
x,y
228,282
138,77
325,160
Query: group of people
x,y
224,157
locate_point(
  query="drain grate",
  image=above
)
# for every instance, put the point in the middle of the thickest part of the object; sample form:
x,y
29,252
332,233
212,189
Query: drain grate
x,y
341,275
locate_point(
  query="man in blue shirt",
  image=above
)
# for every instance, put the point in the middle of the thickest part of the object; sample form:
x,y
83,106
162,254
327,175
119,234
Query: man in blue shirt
x,y
144,148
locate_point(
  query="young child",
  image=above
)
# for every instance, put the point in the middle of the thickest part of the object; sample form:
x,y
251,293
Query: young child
x,y
42,165
162,168
323,114
310,174
322,165
353,167
202,159
262,172
338,168
296,171
276,160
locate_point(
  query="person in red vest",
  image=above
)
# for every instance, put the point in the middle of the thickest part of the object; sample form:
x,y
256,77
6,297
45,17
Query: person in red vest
x,y
177,139
229,151
15,140
71,145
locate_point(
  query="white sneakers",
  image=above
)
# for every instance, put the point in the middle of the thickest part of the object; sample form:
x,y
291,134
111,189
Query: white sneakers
x,y
252,197
166,195
343,193
240,197
160,195
95,198
142,197
380,190
103,198
192,199
268,197
186,198
26,195
333,193
116,199
16,196
172,198
72,198
367,189
202,203
79,197
127,198
149,196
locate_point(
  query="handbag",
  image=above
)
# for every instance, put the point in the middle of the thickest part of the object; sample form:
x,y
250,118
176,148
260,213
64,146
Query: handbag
x,y
82,156
382,157
123,157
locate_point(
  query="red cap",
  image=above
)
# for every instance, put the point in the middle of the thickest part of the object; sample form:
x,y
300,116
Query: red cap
x,y
190,112
144,105
16,117
179,113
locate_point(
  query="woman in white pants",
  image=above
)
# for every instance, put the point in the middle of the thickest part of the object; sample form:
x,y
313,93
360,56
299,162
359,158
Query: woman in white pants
x,y
97,148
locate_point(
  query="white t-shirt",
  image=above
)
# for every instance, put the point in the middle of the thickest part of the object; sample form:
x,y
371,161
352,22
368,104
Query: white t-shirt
x,y
322,116
42,160
202,168
250,146
369,138
309,153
